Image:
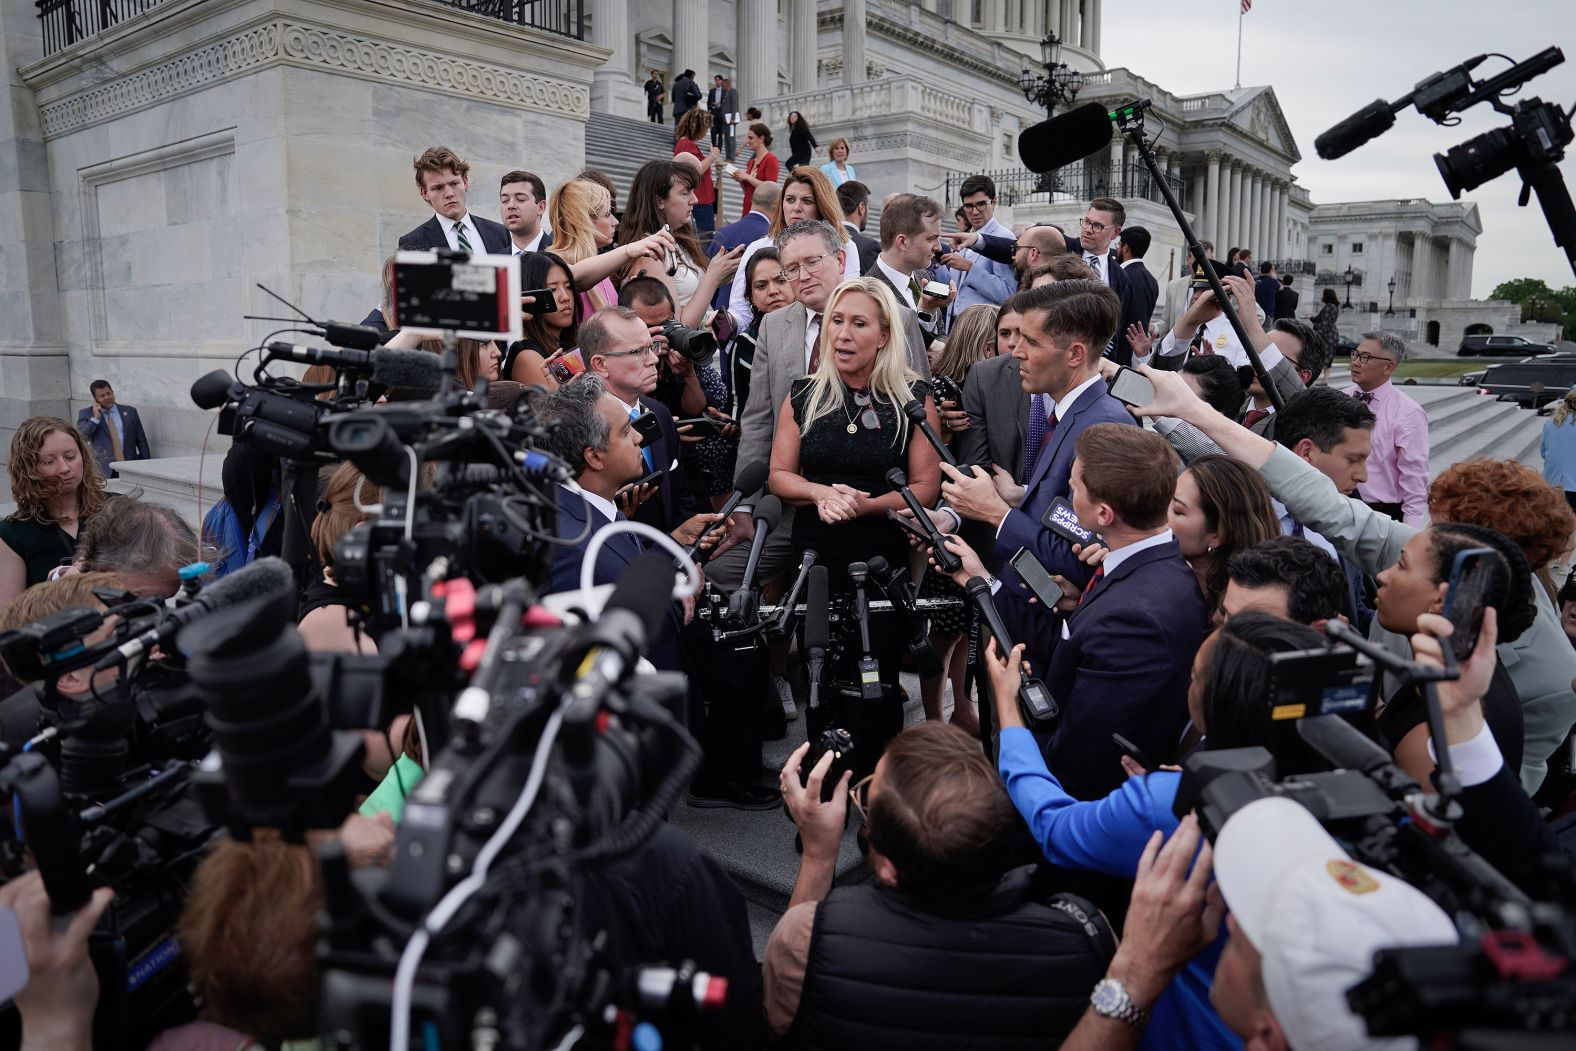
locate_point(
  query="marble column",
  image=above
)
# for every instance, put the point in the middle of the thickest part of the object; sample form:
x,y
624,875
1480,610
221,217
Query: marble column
x,y
1230,213
1209,229
1245,211
802,45
691,36
853,41
1280,221
757,52
1255,218
1068,31
613,88
1459,279
1266,223
1197,203
1117,172
1092,10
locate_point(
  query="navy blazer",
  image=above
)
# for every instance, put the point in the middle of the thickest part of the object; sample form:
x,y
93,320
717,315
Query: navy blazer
x,y
673,502
1051,478
134,445
1124,668
1120,283
744,231
495,236
616,556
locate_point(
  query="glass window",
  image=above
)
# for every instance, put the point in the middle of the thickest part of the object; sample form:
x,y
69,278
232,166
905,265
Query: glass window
x,y
1357,248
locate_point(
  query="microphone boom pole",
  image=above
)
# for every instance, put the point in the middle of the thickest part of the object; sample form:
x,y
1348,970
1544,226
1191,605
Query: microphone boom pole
x,y
1130,122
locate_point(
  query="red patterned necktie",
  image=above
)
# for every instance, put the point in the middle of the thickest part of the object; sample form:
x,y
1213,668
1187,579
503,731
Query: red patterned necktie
x,y
1099,572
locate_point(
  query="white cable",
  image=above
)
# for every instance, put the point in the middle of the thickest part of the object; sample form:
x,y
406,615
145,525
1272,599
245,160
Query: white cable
x,y
682,590
410,958
421,737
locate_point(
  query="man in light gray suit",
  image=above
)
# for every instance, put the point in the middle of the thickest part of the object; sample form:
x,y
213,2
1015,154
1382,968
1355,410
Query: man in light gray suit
x,y
812,257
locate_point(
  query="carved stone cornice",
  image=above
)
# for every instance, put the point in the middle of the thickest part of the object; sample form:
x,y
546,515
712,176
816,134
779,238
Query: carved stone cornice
x,y
286,42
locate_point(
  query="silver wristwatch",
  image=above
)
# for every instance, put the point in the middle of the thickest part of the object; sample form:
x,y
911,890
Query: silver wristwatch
x,y
1110,1000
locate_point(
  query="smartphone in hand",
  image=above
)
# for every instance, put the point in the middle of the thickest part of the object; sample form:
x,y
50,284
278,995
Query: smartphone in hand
x,y
1476,574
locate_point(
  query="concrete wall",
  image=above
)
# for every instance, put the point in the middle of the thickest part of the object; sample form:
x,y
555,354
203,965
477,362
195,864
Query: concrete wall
x,y
205,147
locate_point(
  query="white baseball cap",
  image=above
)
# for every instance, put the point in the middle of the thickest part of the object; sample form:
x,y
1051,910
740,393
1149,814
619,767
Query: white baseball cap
x,y
1316,918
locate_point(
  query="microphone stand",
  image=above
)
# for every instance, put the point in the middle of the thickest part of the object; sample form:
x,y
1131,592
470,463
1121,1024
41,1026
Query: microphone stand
x,y
1130,121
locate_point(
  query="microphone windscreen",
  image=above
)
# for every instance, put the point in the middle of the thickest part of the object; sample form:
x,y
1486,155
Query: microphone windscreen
x,y
768,511
817,628
645,589
264,577
411,369
751,477
879,568
212,390
1065,138
914,409
896,478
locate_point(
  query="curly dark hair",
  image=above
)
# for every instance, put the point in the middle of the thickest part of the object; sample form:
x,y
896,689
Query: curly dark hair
x,y
1512,595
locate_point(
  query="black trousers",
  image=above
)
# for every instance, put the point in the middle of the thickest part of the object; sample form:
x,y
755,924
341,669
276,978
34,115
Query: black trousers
x,y
727,680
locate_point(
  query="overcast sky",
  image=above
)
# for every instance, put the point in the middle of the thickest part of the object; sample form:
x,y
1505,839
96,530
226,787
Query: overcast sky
x,y
1328,60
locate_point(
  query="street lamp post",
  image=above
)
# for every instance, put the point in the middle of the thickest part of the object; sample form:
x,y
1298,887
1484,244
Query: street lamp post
x,y
1390,310
1349,278
1061,83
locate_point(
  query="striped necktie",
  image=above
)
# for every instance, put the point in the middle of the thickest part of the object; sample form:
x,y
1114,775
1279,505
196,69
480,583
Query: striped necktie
x,y
459,235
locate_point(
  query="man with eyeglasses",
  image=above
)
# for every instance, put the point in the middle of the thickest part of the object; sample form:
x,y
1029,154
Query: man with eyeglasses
x,y
947,923
1397,482
1098,231
617,346
981,280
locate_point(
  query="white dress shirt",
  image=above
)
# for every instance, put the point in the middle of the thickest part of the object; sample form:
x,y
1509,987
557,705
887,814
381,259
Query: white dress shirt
x,y
601,503
900,281
1116,557
1221,339
1288,526
534,246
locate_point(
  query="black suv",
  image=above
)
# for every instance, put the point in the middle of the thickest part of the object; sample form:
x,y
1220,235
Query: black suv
x,y
1501,346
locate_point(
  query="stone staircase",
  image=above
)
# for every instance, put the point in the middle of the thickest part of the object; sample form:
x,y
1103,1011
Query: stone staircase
x,y
618,146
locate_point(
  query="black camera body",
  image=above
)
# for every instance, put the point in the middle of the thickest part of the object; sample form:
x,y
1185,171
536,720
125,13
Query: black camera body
x,y
696,344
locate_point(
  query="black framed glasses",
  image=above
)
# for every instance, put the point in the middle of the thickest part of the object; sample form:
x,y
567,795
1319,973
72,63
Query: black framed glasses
x,y
1091,225
977,206
1362,357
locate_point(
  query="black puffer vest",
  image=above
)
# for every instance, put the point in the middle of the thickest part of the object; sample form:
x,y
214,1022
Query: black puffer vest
x,y
1007,970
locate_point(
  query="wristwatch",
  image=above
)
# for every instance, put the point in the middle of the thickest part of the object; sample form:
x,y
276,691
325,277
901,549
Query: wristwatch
x,y
1110,1000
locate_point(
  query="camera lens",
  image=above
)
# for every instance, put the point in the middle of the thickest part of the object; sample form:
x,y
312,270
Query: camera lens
x,y
1476,161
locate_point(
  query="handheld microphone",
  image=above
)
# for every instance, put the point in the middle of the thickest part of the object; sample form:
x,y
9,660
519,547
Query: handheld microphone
x,y
945,557
631,619
215,389
869,667
894,584
742,604
749,481
261,579
1342,743
782,627
1065,138
1034,699
914,409
817,629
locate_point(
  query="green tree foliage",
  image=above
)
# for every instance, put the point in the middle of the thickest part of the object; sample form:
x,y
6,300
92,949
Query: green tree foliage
x,y
1539,302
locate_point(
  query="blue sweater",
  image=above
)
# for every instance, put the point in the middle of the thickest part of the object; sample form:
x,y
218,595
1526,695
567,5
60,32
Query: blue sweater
x,y
1109,835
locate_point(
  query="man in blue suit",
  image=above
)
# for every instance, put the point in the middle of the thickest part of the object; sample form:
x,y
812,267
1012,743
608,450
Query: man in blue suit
x,y
745,231
444,180
1064,329
980,279
114,432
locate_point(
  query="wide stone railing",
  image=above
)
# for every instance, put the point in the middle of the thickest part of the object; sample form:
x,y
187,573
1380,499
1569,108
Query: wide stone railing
x,y
887,97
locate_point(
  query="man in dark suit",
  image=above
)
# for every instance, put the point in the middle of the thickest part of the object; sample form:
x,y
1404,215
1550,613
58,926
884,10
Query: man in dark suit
x,y
686,94
729,121
1064,329
1096,245
1127,643
617,346
444,180
522,201
714,99
910,234
1266,288
854,196
113,431
1142,289
751,228
1286,299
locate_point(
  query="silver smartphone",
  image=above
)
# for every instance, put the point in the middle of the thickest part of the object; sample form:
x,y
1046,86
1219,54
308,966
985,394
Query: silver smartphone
x,y
1131,387
1032,573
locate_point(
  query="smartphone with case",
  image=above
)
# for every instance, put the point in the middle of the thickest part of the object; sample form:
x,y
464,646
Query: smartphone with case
x,y
1033,574
1474,575
1132,750
1131,387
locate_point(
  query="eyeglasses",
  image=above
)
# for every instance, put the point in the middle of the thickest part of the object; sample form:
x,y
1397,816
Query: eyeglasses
x,y
867,413
1362,357
649,350
1091,225
860,794
793,271
977,206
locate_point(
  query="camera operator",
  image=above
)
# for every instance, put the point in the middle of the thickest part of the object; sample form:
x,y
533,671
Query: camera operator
x,y
21,713
323,618
948,924
1226,701
62,988
144,544
1305,921
1495,493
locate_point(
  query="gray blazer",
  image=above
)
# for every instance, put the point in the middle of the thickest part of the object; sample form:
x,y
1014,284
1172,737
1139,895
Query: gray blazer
x,y
998,431
779,360
1541,663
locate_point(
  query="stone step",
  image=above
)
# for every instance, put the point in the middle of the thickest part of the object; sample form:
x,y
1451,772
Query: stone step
x,y
618,146
1450,418
1499,432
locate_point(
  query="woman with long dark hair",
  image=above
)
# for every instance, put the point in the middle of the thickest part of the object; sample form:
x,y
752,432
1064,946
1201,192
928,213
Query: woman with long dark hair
x,y
1220,507
545,336
663,196
801,141
1324,321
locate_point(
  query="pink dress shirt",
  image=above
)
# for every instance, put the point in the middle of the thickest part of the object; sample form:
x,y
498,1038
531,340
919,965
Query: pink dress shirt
x,y
1398,464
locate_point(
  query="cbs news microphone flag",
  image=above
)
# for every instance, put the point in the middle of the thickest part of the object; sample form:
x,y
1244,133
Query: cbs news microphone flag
x,y
1247,5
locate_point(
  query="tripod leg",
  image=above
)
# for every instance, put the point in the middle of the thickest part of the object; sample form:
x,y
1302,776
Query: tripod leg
x,y
1555,198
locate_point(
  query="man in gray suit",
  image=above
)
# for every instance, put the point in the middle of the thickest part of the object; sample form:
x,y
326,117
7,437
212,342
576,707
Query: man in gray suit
x,y
812,257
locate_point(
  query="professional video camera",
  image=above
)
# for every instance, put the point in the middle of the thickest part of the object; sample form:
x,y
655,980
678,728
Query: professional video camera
x,y
1513,971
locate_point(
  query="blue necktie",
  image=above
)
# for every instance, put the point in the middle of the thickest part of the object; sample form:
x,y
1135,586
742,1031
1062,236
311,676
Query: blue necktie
x,y
645,450
1031,448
